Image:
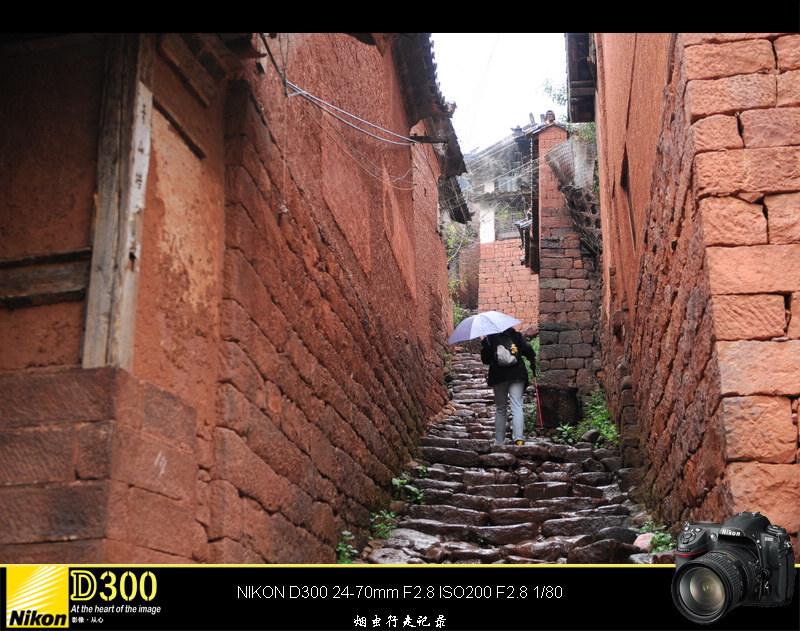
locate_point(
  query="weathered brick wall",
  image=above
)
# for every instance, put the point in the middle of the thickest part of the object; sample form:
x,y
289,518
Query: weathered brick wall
x,y
710,341
506,285
292,317
97,466
333,321
743,99
569,287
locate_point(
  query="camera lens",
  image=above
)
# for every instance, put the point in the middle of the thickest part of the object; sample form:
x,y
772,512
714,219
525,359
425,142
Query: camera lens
x,y
702,591
706,588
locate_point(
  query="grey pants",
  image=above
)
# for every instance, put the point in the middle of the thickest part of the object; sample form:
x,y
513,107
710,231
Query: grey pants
x,y
505,393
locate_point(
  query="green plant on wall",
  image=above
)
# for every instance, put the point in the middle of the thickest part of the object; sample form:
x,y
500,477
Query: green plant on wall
x,y
404,490
456,237
459,311
345,552
382,524
596,416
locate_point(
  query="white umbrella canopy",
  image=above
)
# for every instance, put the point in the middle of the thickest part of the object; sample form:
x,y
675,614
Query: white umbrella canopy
x,y
484,323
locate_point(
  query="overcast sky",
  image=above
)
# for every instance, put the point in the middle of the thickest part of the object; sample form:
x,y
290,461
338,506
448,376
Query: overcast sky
x,y
496,80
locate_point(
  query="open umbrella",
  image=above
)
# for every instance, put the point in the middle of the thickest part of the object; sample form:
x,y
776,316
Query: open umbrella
x,y
480,324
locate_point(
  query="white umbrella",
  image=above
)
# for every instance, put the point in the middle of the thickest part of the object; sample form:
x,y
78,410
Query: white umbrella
x,y
484,323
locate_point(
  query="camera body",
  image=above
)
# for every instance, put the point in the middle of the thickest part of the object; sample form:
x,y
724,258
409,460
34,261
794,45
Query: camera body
x,y
744,561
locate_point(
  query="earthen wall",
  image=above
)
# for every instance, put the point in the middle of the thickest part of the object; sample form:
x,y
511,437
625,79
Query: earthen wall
x,y
291,319
46,185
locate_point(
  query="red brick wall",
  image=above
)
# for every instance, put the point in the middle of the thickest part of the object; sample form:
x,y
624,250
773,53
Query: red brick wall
x,y
333,312
98,466
506,285
291,324
711,338
569,295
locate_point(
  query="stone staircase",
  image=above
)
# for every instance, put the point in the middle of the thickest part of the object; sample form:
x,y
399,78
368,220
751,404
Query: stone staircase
x,y
541,502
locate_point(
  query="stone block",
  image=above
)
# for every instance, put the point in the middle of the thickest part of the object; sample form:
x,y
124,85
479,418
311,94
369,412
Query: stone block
x,y
573,526
155,521
37,455
716,132
72,395
784,214
771,127
794,319
57,512
552,351
749,316
728,95
690,39
546,490
148,462
750,367
582,350
787,49
789,88
711,61
770,169
237,368
773,489
225,511
93,458
759,428
754,270
166,415
235,462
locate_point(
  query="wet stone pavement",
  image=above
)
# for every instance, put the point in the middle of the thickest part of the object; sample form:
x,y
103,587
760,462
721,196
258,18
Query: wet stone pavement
x,y
542,502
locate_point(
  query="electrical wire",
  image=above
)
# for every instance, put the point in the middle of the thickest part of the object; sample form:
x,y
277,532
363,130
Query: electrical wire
x,y
323,104
298,91
375,175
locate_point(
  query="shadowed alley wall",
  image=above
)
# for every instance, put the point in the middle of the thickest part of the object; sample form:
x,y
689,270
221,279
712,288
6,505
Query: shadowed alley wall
x,y
289,298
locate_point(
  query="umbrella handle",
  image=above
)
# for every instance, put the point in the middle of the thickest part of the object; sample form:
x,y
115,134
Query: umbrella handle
x,y
538,401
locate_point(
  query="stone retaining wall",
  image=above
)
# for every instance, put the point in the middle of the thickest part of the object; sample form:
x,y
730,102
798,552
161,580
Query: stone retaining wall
x,y
710,337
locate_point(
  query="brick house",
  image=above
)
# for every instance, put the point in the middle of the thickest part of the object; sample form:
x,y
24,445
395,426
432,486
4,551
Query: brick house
x,y
501,194
536,261
697,139
223,295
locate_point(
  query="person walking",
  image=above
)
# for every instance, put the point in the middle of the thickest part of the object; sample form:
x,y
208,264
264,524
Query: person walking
x,y
508,378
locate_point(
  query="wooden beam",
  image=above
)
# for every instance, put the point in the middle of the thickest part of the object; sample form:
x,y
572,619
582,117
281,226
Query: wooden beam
x,y
123,162
42,280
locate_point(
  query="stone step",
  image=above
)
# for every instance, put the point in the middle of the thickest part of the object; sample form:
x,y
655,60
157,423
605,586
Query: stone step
x,y
448,514
541,502
506,516
571,526
464,444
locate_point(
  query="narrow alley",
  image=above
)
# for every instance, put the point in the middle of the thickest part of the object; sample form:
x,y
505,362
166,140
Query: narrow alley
x,y
477,502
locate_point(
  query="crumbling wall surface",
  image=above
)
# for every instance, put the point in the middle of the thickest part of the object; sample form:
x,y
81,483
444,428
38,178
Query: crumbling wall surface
x,y
332,312
711,340
506,285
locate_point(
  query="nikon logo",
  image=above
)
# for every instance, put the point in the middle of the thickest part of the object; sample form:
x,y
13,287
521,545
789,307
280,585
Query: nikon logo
x,y
37,597
31,618
728,531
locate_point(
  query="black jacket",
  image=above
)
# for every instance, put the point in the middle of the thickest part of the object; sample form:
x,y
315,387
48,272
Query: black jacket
x,y
517,372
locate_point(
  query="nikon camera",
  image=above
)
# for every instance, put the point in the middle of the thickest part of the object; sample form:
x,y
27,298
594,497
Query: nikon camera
x,y
744,561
